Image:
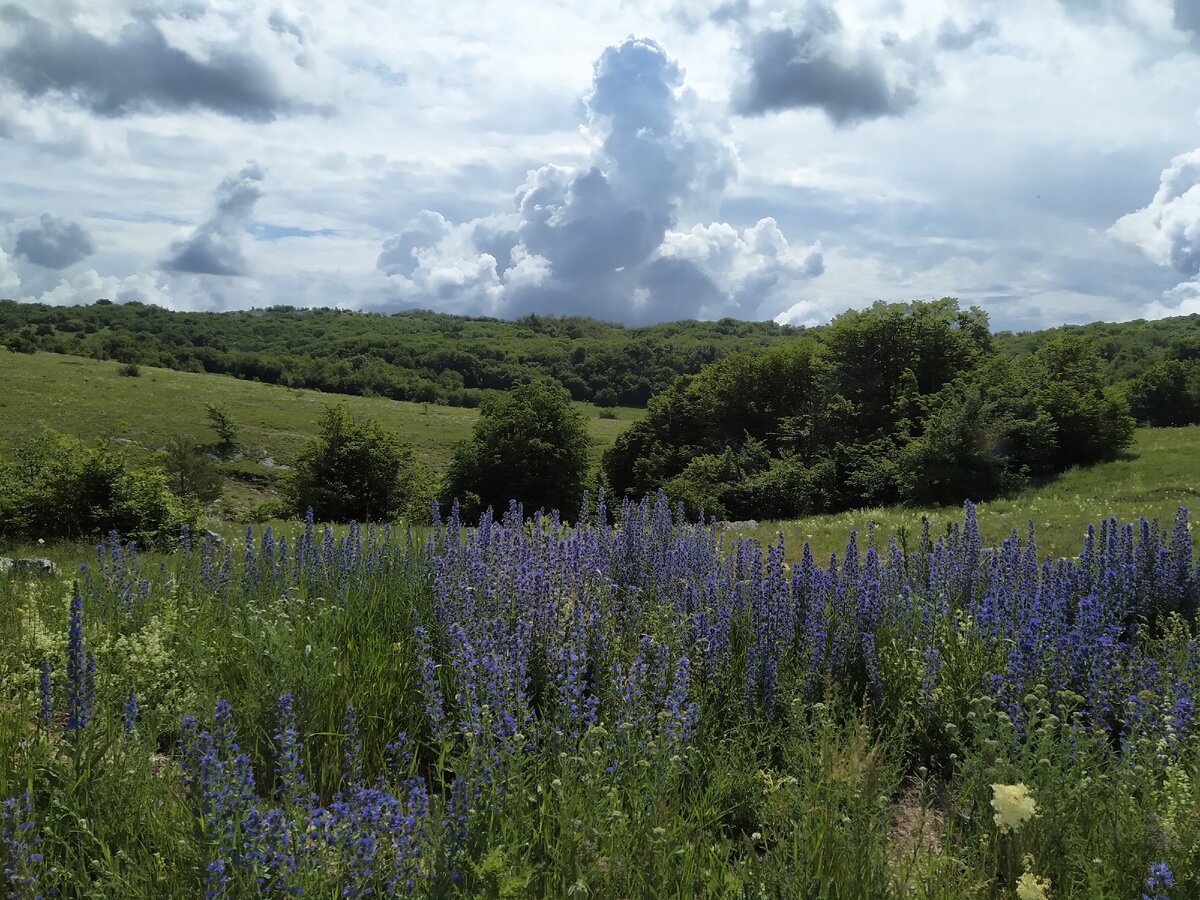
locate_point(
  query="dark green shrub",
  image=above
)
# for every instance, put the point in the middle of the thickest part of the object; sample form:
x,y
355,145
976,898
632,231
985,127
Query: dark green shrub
x,y
530,445
222,422
354,469
191,471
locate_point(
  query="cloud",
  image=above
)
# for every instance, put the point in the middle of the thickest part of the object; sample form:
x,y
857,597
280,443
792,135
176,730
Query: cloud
x,y
951,37
727,272
1187,16
10,281
138,70
601,238
214,246
399,256
692,14
814,64
54,243
1168,229
1181,300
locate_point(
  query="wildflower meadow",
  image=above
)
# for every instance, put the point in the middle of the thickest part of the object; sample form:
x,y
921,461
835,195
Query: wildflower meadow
x,y
630,705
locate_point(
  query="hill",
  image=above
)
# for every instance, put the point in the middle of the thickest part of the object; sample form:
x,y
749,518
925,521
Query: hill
x,y
413,355
1128,349
90,399
433,357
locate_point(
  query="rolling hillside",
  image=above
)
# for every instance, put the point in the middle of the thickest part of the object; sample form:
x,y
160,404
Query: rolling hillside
x,y
90,399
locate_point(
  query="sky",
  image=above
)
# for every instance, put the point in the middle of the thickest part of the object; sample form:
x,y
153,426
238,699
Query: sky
x,y
637,162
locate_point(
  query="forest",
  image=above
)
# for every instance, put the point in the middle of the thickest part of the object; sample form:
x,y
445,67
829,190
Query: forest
x,y
438,358
899,403
415,355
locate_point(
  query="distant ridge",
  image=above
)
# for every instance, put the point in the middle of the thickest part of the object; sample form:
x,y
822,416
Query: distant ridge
x,y
433,357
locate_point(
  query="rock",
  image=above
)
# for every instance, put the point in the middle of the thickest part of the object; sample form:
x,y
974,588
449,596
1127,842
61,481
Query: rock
x,y
38,566
6,565
271,464
213,538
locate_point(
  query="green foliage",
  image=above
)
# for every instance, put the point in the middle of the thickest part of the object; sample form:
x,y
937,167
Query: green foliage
x,y
702,485
130,370
55,486
775,397
896,403
222,422
530,445
882,359
1090,425
414,355
354,470
191,471
1168,393
23,341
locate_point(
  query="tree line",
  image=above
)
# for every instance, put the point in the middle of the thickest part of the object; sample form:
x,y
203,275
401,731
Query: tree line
x,y
456,360
899,403
413,355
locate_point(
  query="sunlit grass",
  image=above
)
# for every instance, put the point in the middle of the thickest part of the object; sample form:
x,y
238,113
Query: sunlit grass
x,y
89,399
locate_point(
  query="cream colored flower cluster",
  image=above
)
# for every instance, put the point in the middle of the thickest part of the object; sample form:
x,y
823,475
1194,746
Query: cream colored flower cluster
x,y
1014,806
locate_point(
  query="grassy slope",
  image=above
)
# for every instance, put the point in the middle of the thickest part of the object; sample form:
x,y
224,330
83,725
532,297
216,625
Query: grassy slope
x,y
87,397
1160,474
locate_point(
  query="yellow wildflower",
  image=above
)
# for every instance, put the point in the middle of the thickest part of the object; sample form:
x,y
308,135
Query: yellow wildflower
x,y
1013,805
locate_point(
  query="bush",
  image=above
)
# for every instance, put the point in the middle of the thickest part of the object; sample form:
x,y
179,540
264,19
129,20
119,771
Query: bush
x,y
57,487
129,370
530,445
268,510
192,472
1167,393
355,470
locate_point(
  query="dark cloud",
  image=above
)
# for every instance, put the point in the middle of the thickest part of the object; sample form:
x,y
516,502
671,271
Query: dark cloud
x,y
282,25
951,37
136,71
1121,11
214,246
731,11
598,239
1187,16
496,236
679,288
692,14
54,243
814,65
399,255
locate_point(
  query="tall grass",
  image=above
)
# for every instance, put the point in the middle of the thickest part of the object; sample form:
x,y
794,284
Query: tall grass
x,y
645,709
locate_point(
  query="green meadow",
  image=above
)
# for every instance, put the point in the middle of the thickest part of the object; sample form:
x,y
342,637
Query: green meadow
x,y
90,399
